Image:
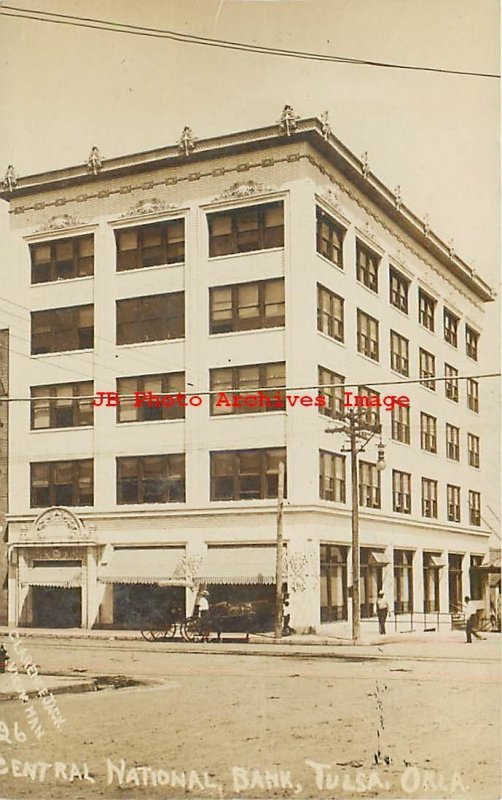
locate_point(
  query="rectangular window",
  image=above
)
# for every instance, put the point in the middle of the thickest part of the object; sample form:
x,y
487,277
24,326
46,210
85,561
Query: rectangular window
x,y
369,414
400,423
431,577
247,380
401,491
452,442
453,503
334,394
473,449
247,306
367,335
62,259
475,580
330,236
58,330
152,388
153,318
331,476
473,395
399,358
246,474
451,384
471,342
429,498
450,322
333,575
151,479
427,364
367,266
151,245
474,508
329,313
428,433
426,309
62,483
369,485
398,290
243,230
62,405
403,581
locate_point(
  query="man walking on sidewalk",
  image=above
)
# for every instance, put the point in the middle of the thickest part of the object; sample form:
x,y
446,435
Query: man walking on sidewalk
x,y
470,620
382,611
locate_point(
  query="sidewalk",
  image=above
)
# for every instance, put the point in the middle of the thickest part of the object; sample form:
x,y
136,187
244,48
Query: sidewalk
x,y
55,684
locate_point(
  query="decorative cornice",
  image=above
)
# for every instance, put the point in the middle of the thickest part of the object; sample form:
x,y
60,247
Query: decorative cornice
x,y
153,206
244,189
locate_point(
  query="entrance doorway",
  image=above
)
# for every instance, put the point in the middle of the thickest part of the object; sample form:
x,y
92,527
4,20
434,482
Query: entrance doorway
x,y
56,607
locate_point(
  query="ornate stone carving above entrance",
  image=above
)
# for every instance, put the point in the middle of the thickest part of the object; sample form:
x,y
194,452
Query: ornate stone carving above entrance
x,y
55,525
244,189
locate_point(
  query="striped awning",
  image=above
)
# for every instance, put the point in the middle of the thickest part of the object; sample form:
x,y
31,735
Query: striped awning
x,y
63,577
240,565
153,565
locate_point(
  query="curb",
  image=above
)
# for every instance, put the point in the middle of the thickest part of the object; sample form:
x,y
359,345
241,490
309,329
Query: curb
x,y
74,688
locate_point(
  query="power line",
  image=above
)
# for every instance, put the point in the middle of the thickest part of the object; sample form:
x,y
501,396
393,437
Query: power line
x,y
136,30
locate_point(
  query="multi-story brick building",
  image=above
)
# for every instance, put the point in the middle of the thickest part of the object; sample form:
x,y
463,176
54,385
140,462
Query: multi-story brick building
x,y
266,258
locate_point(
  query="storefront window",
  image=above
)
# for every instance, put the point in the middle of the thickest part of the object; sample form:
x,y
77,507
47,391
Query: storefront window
x,y
403,581
333,583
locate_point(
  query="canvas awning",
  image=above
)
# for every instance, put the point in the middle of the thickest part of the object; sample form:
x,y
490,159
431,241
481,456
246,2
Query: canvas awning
x,y
240,565
63,577
435,561
377,557
154,565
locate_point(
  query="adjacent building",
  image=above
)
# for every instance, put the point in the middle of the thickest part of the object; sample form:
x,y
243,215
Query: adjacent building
x,y
267,260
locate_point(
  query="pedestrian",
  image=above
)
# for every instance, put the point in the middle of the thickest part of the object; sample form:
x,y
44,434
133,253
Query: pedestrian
x,y
382,611
470,610
203,603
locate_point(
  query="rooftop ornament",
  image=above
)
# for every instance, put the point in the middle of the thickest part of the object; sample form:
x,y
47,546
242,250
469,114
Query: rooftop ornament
x,y
10,180
451,248
326,127
365,166
288,121
398,199
427,227
95,161
186,142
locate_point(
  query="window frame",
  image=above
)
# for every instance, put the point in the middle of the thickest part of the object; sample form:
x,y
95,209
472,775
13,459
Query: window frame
x,y
473,396
369,485
367,266
451,385
335,316
401,431
450,326
76,467
397,282
452,433
63,322
337,475
335,229
167,314
76,390
399,362
428,433
401,496
144,412
235,233
474,508
426,310
235,373
238,477
277,321
164,227
471,342
453,507
429,498
427,361
473,449
76,241
141,464
368,344
335,398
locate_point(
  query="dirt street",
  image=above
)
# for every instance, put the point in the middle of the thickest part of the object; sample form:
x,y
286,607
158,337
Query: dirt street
x,y
226,726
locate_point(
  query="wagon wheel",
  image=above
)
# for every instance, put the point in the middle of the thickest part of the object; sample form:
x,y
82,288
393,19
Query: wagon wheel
x,y
155,635
170,631
190,630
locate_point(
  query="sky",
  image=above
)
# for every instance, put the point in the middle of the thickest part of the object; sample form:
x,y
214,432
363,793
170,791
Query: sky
x,y
64,89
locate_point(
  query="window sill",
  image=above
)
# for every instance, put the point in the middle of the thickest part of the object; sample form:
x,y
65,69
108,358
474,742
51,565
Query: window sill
x,y
243,333
330,263
59,281
147,422
63,353
453,347
339,342
63,429
404,314
401,375
135,270
372,292
254,414
212,259
153,341
368,358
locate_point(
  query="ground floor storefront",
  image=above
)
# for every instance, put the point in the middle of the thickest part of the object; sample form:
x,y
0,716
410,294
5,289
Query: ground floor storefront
x,y
70,572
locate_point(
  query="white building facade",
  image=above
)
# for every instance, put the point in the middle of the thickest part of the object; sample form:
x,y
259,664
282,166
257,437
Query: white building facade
x,y
253,260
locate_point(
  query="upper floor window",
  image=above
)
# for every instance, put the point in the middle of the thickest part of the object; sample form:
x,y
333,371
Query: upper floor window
x,y
329,313
401,491
330,237
62,405
246,474
471,342
148,398
453,503
62,483
369,412
428,434
241,230
367,266
331,476
399,358
475,508
426,309
151,479
151,245
151,319
451,384
57,330
450,321
400,424
247,380
367,335
473,395
429,498
473,449
369,485
334,394
427,365
452,442
62,259
247,306
398,290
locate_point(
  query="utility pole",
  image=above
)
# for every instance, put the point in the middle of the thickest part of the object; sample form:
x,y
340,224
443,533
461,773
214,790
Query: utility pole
x,y
359,433
279,557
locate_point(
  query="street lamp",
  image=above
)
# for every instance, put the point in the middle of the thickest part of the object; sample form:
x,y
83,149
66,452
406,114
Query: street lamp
x,y
360,433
